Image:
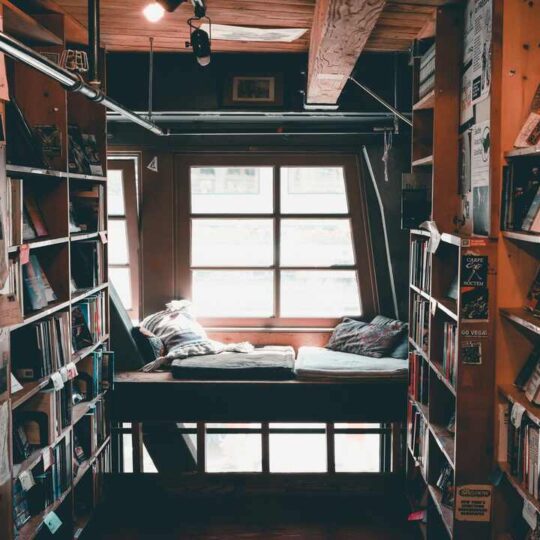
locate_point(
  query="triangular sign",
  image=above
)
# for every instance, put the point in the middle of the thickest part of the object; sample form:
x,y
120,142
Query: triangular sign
x,y
153,165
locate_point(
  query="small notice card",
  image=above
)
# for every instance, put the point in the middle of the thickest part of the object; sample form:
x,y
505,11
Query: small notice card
x,y
473,502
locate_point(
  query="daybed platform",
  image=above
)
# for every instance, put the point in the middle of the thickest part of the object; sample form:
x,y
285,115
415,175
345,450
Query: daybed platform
x,y
140,397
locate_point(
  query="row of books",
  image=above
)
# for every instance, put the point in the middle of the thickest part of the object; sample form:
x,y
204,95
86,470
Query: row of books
x,y
522,442
450,351
41,348
521,198
38,293
418,435
27,221
420,269
418,378
36,489
94,428
87,265
419,324
87,319
445,482
95,375
87,209
426,75
41,145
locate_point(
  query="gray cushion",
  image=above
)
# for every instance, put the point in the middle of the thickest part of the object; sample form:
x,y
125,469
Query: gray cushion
x,y
321,363
401,350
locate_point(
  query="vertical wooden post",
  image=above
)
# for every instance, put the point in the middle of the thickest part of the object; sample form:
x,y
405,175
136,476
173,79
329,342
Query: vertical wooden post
x,y
137,444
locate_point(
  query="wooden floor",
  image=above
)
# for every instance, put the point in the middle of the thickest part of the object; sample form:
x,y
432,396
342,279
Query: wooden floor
x,y
272,517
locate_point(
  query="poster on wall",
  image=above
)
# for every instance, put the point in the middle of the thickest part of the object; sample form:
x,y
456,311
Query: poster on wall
x,y
468,32
466,107
480,150
481,50
473,502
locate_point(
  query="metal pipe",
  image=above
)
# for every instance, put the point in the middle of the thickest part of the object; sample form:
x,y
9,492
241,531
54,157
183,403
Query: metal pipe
x,y
385,231
381,101
94,39
19,51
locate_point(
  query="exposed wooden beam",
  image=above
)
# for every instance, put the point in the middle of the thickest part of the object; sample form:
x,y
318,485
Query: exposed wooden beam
x,y
339,33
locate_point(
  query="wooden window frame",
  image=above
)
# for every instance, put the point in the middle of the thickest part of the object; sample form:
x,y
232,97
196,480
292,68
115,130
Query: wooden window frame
x,y
357,216
129,178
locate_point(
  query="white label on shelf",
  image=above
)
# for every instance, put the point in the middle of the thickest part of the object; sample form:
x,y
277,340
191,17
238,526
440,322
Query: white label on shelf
x,y
64,374
47,458
52,521
57,381
530,515
72,370
517,414
27,480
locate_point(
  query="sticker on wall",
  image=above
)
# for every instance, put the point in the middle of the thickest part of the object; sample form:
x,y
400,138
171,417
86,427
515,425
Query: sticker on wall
x,y
153,165
474,291
471,352
473,502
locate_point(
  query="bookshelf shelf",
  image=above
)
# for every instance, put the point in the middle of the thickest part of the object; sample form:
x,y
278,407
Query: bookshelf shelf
x,y
440,375
518,486
82,408
420,291
79,355
37,244
449,307
520,236
423,162
522,318
523,152
445,440
93,178
77,237
514,395
427,102
35,171
417,349
52,308
446,513
89,462
78,295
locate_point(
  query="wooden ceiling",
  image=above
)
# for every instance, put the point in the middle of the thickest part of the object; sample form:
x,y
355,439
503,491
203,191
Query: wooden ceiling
x,y
124,28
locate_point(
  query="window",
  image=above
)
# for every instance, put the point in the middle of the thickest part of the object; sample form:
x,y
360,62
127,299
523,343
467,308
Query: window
x,y
271,240
123,232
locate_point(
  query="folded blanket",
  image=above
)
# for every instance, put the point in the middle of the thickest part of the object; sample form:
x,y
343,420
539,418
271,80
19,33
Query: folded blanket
x,y
264,363
316,363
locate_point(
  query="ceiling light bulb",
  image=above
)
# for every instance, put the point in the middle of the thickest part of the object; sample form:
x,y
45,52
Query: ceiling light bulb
x,y
154,12
200,42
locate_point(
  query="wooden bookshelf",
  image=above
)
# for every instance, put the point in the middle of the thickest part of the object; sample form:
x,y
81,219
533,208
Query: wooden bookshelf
x,y
43,102
452,331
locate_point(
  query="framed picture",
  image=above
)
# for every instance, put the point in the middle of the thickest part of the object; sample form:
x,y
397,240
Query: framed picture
x,y
254,91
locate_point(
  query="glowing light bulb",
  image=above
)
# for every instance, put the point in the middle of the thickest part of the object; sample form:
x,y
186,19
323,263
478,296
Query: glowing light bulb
x,y
153,12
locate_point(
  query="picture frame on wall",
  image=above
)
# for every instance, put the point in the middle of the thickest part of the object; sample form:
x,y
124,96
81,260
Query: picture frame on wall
x,y
253,90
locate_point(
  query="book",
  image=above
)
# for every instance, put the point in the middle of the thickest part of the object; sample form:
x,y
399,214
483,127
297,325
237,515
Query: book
x,y
21,446
22,147
50,141
34,215
532,213
21,510
532,388
28,231
529,134
528,368
92,154
87,268
81,335
37,289
77,160
533,296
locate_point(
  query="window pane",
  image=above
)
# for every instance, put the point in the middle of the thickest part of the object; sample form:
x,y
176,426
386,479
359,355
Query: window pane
x,y
319,293
232,242
310,242
121,279
291,453
233,453
115,193
359,452
118,244
313,190
233,293
231,190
